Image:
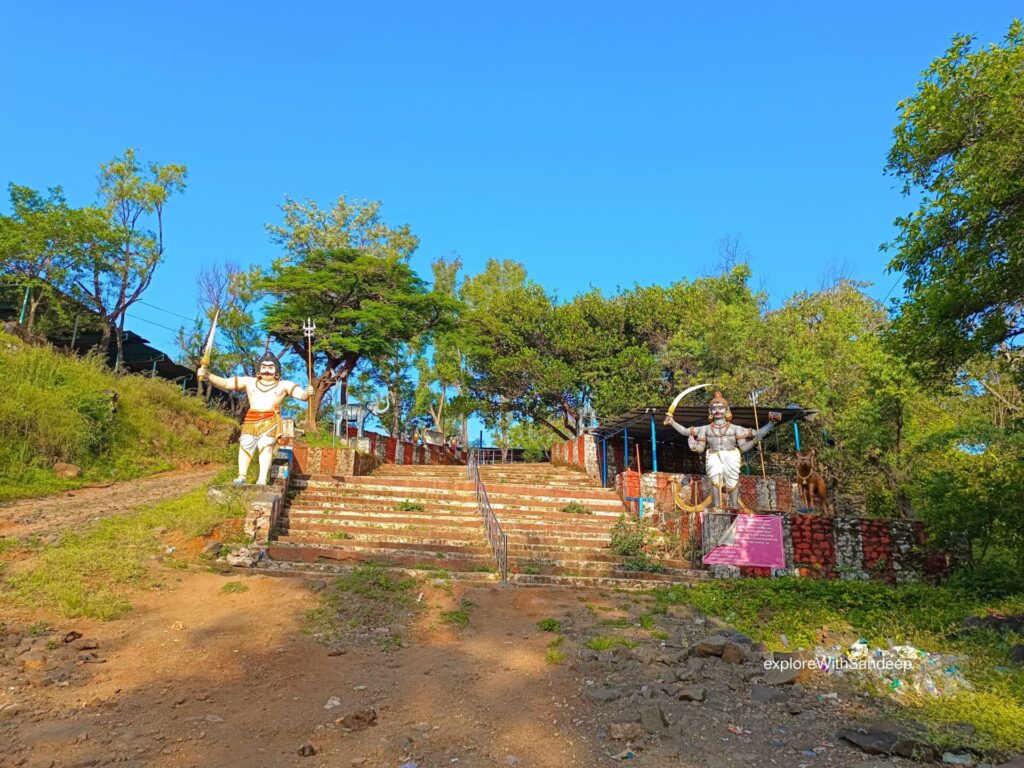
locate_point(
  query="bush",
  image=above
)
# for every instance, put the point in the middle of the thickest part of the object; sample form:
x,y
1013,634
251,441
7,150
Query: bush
x,y
575,508
635,541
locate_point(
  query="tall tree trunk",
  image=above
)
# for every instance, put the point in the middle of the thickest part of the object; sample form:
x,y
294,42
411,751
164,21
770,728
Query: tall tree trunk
x,y
396,411
119,337
104,345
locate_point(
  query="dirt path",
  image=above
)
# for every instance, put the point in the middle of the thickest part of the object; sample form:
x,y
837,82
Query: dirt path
x,y
196,676
51,514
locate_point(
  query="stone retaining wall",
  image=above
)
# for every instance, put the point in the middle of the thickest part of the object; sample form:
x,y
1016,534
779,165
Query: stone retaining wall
x,y
841,546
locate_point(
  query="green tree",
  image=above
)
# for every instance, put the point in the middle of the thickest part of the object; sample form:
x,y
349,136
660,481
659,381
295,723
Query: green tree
x,y
364,306
44,244
442,375
308,228
134,198
959,147
509,314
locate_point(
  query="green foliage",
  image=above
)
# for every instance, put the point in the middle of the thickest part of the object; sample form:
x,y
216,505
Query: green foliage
x,y
959,149
609,642
458,618
555,652
634,540
59,408
925,616
87,573
234,587
409,506
365,303
575,508
549,625
372,581
970,499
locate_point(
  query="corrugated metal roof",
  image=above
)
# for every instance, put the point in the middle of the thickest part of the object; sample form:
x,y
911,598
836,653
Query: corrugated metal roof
x,y
638,420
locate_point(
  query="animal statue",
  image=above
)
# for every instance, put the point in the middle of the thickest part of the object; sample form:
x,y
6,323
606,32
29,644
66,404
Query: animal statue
x,y
358,413
812,484
432,437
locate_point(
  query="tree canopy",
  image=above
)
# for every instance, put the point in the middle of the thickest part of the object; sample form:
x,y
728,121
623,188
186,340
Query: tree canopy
x,y
959,149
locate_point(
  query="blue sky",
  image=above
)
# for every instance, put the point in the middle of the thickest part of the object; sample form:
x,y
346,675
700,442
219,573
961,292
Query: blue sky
x,y
600,144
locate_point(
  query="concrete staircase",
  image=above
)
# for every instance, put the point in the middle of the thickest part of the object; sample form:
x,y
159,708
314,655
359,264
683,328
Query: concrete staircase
x,y
426,517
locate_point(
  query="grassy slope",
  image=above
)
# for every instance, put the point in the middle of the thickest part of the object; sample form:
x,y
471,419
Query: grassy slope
x,y
91,572
917,614
59,408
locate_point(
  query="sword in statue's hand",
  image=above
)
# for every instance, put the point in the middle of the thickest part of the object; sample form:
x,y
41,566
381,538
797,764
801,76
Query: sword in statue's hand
x,y
679,397
204,362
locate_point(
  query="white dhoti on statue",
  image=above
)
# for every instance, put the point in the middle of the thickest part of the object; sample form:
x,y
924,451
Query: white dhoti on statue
x,y
724,468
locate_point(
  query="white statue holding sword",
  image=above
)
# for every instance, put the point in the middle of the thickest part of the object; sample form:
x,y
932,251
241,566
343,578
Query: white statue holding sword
x,y
266,391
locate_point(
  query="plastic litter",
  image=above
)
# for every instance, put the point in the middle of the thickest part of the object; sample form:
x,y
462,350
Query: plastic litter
x,y
628,754
896,670
332,702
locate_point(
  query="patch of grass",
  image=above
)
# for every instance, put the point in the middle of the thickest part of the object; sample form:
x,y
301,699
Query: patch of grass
x,y
390,642
921,615
646,621
234,587
408,506
371,580
575,508
549,625
435,571
63,408
9,545
340,535
555,652
459,618
40,628
87,572
659,634
620,623
609,642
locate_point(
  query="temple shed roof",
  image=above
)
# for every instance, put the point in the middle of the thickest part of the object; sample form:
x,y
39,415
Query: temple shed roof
x,y
638,421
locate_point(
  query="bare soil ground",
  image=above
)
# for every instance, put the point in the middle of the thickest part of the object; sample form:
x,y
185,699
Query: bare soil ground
x,y
48,515
200,676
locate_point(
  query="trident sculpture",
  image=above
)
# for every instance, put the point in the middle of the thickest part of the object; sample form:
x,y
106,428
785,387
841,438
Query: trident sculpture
x,y
307,330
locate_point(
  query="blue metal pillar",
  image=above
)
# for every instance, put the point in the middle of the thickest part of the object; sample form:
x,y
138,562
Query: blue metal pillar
x,y
654,448
796,434
625,449
604,462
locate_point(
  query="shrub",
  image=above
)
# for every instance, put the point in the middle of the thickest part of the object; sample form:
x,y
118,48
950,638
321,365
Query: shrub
x,y
575,508
633,540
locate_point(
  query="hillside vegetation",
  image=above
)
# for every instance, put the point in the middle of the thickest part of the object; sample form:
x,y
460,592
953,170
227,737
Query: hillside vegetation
x,y
60,408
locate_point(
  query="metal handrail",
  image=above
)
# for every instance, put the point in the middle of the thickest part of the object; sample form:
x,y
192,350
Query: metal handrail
x,y
496,537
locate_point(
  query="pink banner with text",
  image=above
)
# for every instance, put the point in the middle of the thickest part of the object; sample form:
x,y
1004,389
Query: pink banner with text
x,y
749,540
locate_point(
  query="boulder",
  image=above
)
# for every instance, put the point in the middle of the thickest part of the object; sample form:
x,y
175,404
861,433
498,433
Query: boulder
x,y
626,731
600,694
63,469
652,719
732,653
889,738
713,645
763,694
692,693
